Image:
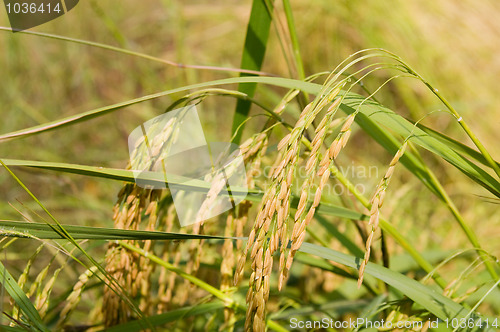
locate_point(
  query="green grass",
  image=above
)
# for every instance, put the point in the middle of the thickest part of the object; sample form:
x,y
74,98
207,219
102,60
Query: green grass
x,y
74,88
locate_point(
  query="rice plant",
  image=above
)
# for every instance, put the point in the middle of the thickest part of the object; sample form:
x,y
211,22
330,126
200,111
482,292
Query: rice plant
x,y
363,210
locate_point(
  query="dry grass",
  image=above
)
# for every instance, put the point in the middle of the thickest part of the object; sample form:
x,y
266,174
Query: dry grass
x,y
376,203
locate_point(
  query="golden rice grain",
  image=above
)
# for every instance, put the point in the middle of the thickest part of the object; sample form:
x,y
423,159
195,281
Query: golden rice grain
x,y
284,141
74,297
270,228
377,201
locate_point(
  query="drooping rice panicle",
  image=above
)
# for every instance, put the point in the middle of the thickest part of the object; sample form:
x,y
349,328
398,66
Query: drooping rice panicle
x,y
304,215
270,231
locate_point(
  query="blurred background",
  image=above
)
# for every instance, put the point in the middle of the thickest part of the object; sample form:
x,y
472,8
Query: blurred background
x,y
453,44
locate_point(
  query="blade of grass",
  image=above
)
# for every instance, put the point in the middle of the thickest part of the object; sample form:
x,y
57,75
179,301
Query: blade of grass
x,y
295,40
459,118
369,312
253,55
17,294
59,229
333,308
124,175
455,145
372,112
11,328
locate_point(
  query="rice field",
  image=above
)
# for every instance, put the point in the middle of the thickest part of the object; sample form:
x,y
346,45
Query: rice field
x,y
361,136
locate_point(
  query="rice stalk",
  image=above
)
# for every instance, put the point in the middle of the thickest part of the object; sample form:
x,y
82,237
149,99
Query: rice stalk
x,y
42,300
376,203
252,151
270,228
270,231
302,216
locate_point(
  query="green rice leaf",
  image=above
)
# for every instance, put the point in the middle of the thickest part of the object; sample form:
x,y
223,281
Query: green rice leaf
x,y
85,116
12,228
374,117
455,145
168,317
